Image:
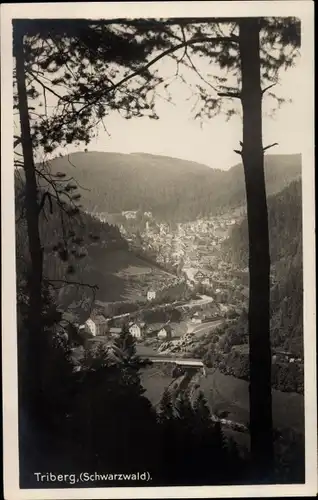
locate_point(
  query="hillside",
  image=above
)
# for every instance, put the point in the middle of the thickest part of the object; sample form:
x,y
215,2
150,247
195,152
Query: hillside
x,y
173,189
90,253
285,227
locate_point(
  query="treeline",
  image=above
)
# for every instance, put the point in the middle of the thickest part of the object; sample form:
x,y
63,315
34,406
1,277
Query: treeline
x,y
285,229
73,241
96,418
118,182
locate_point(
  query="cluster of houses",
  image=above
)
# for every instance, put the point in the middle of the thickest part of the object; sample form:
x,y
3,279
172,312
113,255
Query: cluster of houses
x,y
185,240
97,325
132,214
285,356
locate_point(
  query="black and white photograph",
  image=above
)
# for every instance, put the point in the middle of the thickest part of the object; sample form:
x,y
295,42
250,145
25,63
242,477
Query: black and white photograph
x,y
158,331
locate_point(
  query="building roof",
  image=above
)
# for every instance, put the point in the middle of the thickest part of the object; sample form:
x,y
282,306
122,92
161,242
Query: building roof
x,y
154,327
98,319
115,329
166,328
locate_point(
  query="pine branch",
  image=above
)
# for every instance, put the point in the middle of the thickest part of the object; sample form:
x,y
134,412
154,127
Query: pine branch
x,y
267,88
169,51
17,141
239,152
47,88
42,203
232,95
270,146
199,74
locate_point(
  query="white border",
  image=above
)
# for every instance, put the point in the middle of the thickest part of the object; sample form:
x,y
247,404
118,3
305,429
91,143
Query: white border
x,y
305,11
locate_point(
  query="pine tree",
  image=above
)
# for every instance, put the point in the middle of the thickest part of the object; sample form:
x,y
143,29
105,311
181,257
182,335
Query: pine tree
x,y
166,411
62,59
202,412
126,343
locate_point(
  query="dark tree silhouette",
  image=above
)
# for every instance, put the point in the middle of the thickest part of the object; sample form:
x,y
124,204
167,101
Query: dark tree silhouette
x,y
36,342
261,425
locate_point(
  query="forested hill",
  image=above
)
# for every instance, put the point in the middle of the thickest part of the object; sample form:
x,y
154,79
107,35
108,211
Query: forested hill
x,y
285,229
173,189
84,259
73,248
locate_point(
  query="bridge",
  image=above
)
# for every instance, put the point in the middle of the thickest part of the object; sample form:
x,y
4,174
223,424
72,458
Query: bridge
x,y
186,362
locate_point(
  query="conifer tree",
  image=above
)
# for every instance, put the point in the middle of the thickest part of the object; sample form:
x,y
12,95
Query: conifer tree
x,y
166,411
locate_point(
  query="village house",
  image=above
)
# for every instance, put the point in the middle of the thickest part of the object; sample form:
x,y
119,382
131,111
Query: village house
x,y
151,295
96,324
152,329
206,281
136,330
165,333
196,318
129,214
90,326
115,331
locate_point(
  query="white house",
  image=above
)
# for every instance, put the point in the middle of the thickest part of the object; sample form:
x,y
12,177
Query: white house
x,y
135,330
164,333
151,295
91,325
97,324
196,318
206,281
130,214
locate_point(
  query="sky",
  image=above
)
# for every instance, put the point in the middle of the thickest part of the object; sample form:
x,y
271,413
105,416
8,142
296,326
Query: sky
x,y
212,143
177,134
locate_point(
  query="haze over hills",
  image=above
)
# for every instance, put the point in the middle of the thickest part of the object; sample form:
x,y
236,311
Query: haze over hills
x,y
171,188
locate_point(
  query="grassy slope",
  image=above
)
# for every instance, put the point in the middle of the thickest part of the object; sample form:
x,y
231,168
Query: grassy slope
x,y
123,276
227,393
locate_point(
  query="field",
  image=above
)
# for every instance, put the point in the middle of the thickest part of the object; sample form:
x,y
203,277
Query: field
x,y
155,381
121,276
227,393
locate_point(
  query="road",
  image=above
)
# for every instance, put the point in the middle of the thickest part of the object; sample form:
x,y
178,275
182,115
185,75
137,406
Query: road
x,y
203,300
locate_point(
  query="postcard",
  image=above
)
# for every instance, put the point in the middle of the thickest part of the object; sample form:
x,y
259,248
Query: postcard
x,y
158,251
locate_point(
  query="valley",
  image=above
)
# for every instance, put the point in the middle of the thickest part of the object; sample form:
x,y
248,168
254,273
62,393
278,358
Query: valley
x,y
174,267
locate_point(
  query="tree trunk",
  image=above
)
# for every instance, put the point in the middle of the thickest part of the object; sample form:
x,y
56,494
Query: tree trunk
x,y
31,364
261,426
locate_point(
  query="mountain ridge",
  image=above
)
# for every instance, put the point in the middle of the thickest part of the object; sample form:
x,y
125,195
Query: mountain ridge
x,y
173,189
